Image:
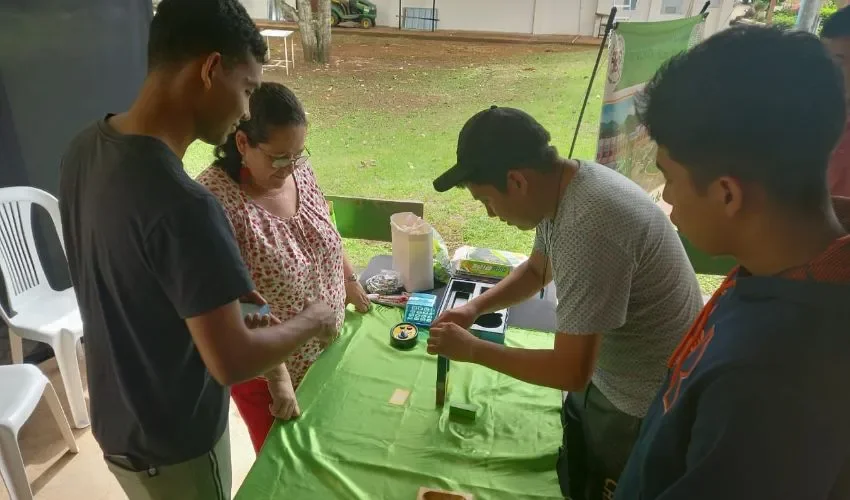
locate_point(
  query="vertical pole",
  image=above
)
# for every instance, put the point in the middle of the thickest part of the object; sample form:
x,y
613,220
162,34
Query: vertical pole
x,y
434,15
807,16
608,27
286,54
534,14
399,15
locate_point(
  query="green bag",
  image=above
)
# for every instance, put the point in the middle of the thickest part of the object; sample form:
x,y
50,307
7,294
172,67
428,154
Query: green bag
x,y
442,262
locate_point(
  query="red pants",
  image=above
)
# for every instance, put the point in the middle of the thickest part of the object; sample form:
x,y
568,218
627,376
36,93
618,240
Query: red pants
x,y
253,400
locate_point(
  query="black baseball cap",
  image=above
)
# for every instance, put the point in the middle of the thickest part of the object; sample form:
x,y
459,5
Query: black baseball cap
x,y
496,139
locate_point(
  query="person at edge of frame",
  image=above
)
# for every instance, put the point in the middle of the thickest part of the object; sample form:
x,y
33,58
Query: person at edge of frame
x,y
836,36
756,403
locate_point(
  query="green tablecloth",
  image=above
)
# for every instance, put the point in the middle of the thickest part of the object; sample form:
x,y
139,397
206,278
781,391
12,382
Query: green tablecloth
x,y
351,443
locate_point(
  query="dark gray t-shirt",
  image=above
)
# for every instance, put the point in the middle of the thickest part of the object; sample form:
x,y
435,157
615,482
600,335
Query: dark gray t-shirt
x,y
147,248
620,270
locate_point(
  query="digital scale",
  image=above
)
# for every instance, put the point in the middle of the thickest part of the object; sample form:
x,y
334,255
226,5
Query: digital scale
x,y
419,312
421,309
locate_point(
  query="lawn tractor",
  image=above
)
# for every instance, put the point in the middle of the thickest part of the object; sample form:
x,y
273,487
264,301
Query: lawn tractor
x,y
362,12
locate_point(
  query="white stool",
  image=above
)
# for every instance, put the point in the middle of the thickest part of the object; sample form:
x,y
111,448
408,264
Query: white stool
x,y
287,49
21,388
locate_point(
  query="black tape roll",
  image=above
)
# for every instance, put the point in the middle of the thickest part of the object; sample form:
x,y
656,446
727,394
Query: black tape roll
x,y
404,336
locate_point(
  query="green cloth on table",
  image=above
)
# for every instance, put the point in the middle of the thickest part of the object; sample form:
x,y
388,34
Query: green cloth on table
x,y
351,443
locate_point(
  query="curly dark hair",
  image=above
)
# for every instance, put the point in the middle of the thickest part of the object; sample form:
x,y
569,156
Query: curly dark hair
x,y
740,104
185,29
272,105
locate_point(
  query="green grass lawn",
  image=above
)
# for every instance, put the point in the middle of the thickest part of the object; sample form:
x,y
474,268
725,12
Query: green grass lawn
x,y
389,133
395,150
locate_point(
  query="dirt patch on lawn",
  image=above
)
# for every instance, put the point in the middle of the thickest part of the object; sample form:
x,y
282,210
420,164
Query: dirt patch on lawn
x,y
352,54
388,73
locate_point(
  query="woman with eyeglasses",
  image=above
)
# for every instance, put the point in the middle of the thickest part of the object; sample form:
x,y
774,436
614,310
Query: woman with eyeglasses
x,y
262,177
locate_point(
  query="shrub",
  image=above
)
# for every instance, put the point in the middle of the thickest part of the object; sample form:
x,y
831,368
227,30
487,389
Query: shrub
x,y
784,19
829,8
787,18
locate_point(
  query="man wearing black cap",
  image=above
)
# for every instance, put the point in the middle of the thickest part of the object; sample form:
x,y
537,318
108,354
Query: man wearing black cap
x,y
626,290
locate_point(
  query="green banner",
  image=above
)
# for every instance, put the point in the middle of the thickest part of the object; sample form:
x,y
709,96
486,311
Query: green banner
x,y
635,53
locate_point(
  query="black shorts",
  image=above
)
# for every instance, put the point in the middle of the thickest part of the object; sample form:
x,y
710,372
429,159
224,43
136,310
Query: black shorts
x,y
598,439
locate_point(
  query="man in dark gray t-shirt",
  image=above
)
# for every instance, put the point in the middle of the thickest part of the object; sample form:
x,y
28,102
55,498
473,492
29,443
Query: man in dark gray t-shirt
x,y
156,269
625,287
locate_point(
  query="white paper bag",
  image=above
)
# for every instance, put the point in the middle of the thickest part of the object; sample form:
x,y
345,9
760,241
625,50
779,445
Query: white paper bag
x,y
413,251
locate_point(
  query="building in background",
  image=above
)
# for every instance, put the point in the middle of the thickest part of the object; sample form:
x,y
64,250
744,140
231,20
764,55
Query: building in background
x,y
538,17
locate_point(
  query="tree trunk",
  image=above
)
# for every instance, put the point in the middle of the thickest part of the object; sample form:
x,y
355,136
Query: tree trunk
x,y
314,26
305,26
322,24
770,8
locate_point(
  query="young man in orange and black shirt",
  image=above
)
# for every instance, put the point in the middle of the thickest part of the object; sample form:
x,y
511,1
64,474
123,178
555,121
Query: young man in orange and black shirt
x,y
756,404
836,36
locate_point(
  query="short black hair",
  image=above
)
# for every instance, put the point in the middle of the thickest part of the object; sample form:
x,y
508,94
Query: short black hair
x,y
838,24
271,105
760,104
184,29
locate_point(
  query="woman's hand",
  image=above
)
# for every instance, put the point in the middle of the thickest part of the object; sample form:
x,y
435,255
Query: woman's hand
x,y
284,403
355,294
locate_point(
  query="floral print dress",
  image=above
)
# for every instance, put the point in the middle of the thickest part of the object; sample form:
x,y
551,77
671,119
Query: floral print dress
x,y
292,261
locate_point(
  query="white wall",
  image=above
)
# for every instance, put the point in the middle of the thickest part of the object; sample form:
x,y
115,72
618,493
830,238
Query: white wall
x,y
726,13
541,17
651,10
509,16
387,12
575,17
257,9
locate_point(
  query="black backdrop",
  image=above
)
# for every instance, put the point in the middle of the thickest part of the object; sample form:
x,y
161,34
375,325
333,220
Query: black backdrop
x,y
63,64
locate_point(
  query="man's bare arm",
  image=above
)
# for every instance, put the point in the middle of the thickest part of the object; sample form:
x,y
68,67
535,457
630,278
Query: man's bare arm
x,y
569,366
233,353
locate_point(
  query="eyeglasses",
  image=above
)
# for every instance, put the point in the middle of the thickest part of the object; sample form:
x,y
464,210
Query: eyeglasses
x,y
279,162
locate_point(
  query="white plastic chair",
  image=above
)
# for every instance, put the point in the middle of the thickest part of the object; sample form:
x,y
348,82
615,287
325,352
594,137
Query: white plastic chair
x,y
21,387
41,313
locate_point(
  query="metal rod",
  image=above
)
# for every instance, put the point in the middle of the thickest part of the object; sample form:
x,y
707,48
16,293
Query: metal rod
x,y
807,16
399,15
705,7
534,14
608,27
434,14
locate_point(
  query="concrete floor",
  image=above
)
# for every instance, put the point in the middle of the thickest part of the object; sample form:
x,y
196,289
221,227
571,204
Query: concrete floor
x,y
56,474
